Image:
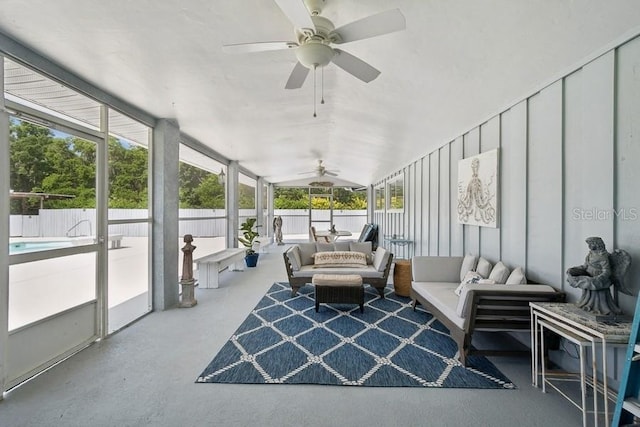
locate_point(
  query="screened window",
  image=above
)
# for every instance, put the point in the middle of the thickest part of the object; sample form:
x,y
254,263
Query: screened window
x,y
395,189
202,202
379,198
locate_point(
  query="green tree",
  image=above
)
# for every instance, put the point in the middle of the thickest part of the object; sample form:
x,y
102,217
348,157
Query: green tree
x,y
42,162
246,196
28,160
291,198
190,177
210,193
200,188
298,198
73,167
128,176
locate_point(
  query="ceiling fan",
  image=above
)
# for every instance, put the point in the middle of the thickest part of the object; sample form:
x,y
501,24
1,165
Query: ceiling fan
x,y
315,35
321,171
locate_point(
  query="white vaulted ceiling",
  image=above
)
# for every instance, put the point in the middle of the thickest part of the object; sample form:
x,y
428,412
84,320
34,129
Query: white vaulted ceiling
x,y
457,63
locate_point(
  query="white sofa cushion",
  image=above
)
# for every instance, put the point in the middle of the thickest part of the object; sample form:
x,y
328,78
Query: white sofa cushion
x,y
517,277
342,246
380,258
293,254
324,247
499,273
468,264
436,269
336,280
306,253
484,268
364,247
441,295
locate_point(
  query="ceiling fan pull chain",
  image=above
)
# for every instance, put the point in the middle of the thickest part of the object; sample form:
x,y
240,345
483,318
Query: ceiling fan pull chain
x,y
322,87
314,90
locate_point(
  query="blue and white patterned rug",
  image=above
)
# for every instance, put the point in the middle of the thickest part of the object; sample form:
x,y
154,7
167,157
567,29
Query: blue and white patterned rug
x,y
284,341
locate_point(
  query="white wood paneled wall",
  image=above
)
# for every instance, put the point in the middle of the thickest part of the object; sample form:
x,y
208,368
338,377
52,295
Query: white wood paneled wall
x,y
569,157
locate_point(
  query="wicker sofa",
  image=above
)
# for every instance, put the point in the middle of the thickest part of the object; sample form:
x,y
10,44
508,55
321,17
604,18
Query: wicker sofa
x,y
301,265
438,283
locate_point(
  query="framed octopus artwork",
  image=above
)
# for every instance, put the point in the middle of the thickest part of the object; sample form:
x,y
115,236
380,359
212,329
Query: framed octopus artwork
x,y
478,190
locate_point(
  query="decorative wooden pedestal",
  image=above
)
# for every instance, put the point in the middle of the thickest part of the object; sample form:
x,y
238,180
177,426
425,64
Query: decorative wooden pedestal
x,y
188,293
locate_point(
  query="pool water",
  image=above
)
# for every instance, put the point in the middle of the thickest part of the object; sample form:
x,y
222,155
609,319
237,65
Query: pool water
x,y
25,247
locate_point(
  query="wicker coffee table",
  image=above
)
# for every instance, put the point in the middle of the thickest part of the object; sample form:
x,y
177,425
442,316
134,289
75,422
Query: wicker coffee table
x,y
338,288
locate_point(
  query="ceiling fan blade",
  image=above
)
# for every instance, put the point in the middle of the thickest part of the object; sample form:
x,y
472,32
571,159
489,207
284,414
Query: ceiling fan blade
x,y
297,13
297,77
371,26
355,66
330,173
257,47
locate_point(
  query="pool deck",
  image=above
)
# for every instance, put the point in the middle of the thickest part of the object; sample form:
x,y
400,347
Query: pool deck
x,y
42,288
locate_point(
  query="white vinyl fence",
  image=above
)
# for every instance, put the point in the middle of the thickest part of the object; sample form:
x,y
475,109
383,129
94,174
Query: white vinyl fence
x,y
81,222
296,221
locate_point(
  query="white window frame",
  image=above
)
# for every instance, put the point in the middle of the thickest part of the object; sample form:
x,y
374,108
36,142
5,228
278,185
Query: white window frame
x,y
380,188
391,184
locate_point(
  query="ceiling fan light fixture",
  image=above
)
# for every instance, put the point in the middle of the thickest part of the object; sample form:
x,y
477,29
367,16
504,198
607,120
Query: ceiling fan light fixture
x,y
314,54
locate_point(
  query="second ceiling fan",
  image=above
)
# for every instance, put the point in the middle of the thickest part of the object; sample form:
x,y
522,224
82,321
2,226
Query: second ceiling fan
x,y
320,170
315,34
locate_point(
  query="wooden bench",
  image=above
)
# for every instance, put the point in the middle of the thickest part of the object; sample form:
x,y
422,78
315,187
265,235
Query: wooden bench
x,y
209,266
116,240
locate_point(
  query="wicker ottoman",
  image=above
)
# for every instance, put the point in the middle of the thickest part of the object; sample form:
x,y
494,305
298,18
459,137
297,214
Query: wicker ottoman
x,y
338,288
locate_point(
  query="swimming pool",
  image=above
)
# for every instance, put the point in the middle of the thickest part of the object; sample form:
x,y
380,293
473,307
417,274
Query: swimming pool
x,y
25,247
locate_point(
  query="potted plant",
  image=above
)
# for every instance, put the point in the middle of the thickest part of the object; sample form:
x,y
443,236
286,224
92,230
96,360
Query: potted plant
x,y
248,240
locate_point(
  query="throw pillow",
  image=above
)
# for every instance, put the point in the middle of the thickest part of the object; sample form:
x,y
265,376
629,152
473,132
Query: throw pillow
x,y
306,252
484,268
517,277
499,273
470,277
468,264
364,247
337,259
293,255
380,258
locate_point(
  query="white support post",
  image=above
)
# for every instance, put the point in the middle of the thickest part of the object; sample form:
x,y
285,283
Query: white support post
x,y
165,162
270,209
4,235
232,203
263,229
102,228
371,202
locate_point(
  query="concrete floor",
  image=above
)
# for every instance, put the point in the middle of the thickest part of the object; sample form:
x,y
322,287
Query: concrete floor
x,y
144,375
